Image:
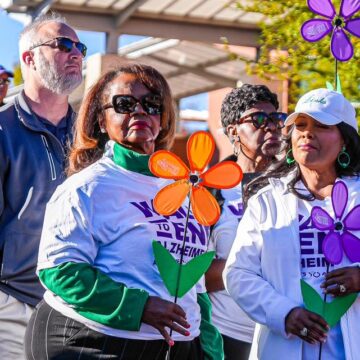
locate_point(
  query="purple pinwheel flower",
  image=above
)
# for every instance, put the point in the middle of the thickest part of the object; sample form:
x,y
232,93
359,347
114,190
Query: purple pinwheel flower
x,y
315,29
338,237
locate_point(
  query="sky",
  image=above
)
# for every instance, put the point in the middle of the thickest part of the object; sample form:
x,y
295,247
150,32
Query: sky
x,y
10,30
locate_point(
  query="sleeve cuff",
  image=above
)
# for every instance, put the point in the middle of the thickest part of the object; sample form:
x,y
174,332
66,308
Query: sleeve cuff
x,y
277,314
134,303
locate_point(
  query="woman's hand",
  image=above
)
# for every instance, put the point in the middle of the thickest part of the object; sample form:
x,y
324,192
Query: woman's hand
x,y
306,325
161,313
342,281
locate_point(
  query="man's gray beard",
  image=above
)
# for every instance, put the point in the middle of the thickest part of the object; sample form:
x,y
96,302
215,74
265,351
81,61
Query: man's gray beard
x,y
54,80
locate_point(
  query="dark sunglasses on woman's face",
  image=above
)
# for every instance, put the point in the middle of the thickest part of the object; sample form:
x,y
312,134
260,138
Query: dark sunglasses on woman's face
x,y
64,44
261,119
4,81
126,104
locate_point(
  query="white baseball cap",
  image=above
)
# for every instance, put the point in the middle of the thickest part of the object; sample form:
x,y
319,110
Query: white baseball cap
x,y
326,106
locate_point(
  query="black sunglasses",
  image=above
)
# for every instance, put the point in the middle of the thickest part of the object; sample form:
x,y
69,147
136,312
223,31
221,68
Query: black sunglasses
x,y
63,44
4,81
126,104
261,119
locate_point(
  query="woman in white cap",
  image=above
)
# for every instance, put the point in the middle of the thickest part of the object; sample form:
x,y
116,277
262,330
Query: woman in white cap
x,y
277,244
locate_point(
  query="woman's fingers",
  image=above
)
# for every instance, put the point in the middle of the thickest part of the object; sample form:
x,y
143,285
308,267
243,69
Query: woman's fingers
x,y
316,334
342,281
319,321
317,327
179,311
335,273
175,327
166,336
178,315
336,290
179,329
307,325
336,287
331,282
307,339
163,314
181,321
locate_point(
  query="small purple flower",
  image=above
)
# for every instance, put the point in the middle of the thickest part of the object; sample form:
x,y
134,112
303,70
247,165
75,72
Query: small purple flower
x,y
339,237
315,29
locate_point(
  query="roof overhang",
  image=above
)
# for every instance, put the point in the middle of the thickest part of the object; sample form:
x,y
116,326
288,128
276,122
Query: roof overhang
x,y
196,20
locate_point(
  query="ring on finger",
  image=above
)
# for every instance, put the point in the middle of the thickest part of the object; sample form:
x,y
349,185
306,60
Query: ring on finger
x,y
304,331
342,288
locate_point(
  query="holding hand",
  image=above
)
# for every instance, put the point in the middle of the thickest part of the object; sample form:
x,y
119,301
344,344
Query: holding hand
x,y
161,313
306,325
342,281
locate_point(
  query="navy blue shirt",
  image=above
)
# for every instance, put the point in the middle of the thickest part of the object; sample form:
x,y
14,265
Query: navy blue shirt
x,y
59,130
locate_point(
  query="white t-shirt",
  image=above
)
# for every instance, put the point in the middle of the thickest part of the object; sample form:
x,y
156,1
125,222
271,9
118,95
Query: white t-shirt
x,y
313,270
104,216
226,314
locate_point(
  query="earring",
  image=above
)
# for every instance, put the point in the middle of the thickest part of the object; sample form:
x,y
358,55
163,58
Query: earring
x,y
289,157
236,149
103,130
343,158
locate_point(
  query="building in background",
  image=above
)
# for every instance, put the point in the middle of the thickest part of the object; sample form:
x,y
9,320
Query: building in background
x,y
183,39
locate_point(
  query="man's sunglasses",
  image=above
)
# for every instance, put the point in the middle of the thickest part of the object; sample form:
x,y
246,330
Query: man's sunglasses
x,y
261,119
126,104
63,44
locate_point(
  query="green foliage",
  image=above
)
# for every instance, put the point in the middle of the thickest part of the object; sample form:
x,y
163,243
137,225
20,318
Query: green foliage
x,y
284,54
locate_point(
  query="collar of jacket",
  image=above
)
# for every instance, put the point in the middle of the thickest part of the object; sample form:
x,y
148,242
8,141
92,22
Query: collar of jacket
x,y
30,119
131,160
281,184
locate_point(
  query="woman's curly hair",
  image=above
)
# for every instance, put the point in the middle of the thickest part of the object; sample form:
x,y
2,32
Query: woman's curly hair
x,y
240,99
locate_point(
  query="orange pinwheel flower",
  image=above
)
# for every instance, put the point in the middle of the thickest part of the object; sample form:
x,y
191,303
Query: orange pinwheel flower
x,y
200,149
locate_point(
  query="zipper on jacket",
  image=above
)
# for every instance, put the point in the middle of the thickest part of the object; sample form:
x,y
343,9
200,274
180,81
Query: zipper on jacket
x,y
26,203
17,106
2,267
51,160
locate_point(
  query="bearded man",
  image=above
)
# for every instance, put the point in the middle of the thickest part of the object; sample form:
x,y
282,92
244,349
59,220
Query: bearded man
x,y
35,132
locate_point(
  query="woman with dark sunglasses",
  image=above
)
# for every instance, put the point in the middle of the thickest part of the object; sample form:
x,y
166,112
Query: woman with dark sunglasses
x,y
104,294
252,124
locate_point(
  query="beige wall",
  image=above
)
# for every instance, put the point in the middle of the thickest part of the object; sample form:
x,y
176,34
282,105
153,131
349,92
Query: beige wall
x,y
215,99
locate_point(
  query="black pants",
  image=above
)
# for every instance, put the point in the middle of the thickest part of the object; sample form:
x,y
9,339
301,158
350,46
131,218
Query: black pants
x,y
53,336
235,349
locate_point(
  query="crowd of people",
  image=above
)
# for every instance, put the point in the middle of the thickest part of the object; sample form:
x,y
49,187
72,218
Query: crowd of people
x,y
78,276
